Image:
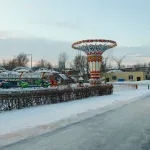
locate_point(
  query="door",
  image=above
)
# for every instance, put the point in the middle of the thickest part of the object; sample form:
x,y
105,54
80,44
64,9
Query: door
x,y
107,79
138,78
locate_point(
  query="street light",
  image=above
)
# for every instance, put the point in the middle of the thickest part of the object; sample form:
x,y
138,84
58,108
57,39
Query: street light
x,y
31,58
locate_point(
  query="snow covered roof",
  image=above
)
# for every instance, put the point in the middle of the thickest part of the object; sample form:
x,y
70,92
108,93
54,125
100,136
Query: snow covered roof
x,y
81,79
42,70
63,76
19,68
22,70
114,71
48,73
2,69
15,73
73,78
45,70
53,71
4,73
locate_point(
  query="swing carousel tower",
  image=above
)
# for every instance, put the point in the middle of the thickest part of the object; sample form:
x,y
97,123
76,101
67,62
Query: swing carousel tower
x,y
94,48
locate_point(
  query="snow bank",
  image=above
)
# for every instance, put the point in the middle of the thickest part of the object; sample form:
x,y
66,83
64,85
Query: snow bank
x,y
20,124
143,82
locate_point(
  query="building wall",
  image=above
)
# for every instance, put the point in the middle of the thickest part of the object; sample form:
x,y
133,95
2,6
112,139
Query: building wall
x,y
125,76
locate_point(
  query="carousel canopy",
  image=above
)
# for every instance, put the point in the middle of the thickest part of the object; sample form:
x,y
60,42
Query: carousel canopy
x,y
95,46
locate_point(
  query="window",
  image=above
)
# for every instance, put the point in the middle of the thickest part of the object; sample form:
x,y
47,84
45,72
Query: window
x,y
130,77
114,78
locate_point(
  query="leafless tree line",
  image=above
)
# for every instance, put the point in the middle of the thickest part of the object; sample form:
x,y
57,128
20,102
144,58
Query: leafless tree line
x,y
22,60
79,63
19,60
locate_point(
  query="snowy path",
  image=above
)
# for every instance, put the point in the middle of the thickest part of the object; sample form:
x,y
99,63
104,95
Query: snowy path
x,y
33,121
125,128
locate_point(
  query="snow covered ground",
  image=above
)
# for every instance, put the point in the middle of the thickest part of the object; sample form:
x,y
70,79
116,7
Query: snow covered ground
x,y
143,82
28,122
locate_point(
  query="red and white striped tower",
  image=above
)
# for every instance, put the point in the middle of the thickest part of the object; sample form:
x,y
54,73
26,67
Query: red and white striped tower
x,y
95,68
94,53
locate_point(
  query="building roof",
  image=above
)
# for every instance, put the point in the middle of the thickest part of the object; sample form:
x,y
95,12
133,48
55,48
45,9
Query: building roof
x,y
63,76
114,71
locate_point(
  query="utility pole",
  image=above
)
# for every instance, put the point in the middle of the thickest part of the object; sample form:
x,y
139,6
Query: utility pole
x,y
31,59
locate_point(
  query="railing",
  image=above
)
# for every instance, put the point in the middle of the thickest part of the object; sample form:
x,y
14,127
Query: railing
x,y
125,87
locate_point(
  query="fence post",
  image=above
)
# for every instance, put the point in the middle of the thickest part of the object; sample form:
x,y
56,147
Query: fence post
x,y
136,86
148,87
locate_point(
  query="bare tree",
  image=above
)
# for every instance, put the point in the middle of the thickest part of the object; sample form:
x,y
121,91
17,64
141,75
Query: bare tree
x,y
44,64
137,67
142,67
4,64
104,65
145,67
149,66
41,63
49,65
22,59
80,64
62,59
12,64
19,60
71,64
119,61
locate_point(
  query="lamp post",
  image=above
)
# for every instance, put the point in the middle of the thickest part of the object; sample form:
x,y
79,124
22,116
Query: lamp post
x,y
31,58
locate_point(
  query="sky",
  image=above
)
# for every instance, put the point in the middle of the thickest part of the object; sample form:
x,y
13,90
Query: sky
x,y
45,28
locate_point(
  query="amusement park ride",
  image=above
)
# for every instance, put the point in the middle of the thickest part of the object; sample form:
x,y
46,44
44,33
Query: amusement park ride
x,y
94,48
20,83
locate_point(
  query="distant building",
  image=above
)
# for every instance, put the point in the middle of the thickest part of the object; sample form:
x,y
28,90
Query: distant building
x,y
118,75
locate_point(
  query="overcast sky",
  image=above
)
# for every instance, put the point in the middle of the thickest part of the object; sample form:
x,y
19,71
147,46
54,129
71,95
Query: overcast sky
x,y
47,27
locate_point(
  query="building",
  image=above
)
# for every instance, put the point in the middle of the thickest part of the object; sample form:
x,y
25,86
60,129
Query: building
x,y
118,75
